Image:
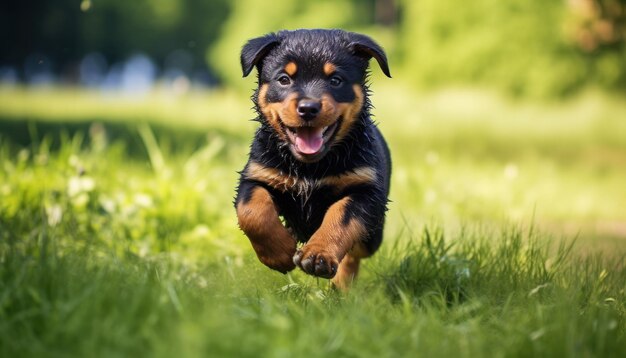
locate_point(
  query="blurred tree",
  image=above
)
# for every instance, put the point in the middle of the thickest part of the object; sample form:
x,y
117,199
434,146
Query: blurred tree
x,y
521,46
386,12
65,30
526,47
596,23
598,29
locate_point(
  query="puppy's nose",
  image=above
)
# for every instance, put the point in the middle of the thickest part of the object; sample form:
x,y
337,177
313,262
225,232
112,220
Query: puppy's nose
x,y
308,109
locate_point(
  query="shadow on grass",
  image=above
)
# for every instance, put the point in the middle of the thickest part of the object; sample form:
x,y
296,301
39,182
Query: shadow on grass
x,y
29,133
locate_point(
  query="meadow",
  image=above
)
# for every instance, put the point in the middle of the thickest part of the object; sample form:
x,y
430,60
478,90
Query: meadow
x,y
505,236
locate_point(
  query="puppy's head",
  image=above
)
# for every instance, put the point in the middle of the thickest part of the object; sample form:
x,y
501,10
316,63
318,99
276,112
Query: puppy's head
x,y
311,85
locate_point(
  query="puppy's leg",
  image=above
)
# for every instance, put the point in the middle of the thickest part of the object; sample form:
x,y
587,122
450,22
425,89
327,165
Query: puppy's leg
x,y
258,218
338,234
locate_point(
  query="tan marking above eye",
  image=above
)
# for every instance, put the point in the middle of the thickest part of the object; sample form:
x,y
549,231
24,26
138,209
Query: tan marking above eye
x,y
291,68
329,68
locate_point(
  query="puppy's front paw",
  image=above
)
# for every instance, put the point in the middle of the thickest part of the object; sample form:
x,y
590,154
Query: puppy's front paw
x,y
316,262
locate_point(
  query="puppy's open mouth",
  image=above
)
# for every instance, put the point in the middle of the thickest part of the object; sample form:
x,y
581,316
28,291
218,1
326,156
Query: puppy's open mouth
x,y
311,141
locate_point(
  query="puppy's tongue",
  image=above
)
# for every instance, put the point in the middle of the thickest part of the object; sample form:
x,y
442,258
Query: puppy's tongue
x,y
309,140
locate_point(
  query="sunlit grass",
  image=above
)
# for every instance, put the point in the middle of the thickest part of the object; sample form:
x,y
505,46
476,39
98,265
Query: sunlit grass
x,y
119,237
460,156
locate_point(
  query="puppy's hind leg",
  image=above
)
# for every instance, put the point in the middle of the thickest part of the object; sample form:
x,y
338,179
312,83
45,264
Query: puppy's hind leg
x,y
349,267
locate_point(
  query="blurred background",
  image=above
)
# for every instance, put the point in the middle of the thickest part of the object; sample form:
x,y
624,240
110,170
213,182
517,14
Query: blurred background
x,y
520,47
497,112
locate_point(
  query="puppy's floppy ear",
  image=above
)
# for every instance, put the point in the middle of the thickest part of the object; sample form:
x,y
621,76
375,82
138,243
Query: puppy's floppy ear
x,y
366,47
254,51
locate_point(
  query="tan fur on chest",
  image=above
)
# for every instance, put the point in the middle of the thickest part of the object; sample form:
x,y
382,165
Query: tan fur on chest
x,y
285,182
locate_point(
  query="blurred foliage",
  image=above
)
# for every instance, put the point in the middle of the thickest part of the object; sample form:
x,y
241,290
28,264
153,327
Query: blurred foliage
x,y
118,236
526,48
66,30
532,48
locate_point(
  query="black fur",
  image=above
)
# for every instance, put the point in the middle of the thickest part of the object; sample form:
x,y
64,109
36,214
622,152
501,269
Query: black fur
x,y
363,146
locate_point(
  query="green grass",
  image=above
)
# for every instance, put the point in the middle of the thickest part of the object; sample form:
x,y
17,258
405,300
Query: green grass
x,y
505,236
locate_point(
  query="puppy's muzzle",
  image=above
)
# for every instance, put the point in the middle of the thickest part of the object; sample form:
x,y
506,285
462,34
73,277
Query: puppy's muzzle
x,y
308,109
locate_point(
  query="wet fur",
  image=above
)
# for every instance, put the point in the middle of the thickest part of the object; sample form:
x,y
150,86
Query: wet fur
x,y
335,205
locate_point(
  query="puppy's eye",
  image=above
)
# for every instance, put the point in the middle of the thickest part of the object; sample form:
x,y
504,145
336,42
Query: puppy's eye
x,y
284,80
336,81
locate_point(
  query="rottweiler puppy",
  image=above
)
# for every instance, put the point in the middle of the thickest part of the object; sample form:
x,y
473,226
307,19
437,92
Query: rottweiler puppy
x,y
319,168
